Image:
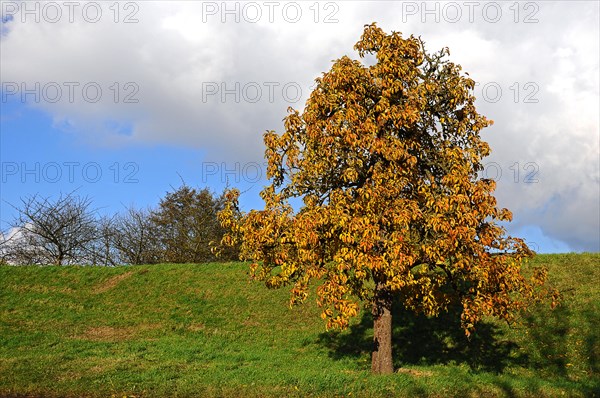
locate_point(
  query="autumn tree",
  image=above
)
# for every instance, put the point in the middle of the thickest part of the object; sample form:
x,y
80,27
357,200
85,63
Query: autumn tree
x,y
385,157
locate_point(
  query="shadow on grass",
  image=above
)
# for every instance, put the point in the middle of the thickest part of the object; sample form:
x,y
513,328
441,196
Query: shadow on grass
x,y
557,344
549,339
566,339
420,340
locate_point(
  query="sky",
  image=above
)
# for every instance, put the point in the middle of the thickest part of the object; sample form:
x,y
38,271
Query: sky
x,y
124,101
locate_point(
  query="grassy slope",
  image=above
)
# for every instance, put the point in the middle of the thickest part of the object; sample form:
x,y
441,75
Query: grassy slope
x,y
206,330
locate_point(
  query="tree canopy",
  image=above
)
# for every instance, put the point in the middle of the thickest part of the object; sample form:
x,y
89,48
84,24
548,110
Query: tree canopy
x,y
187,222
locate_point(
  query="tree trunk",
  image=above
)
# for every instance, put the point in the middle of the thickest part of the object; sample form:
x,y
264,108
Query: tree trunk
x,y
381,360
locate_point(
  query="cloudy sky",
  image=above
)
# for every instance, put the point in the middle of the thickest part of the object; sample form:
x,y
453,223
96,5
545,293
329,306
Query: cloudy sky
x,y
122,100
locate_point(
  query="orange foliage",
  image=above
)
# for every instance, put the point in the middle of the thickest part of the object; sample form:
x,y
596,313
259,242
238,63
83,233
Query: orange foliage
x,y
386,159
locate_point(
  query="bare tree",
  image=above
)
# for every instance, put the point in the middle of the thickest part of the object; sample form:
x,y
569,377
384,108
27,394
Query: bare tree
x,y
22,248
104,250
136,238
5,239
52,231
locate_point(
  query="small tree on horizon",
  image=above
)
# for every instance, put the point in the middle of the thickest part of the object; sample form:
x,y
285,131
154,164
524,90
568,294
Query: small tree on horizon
x,y
187,223
135,237
52,231
385,158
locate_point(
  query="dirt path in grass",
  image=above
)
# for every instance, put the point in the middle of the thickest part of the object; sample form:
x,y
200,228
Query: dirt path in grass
x,y
112,282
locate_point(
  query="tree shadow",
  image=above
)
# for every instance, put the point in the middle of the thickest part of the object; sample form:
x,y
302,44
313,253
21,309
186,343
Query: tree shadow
x,y
564,342
551,334
561,343
548,339
422,340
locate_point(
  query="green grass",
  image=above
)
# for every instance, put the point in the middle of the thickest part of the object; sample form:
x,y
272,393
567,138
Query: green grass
x,y
207,330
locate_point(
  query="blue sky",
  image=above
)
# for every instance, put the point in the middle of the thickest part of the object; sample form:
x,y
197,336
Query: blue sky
x,y
188,88
132,175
